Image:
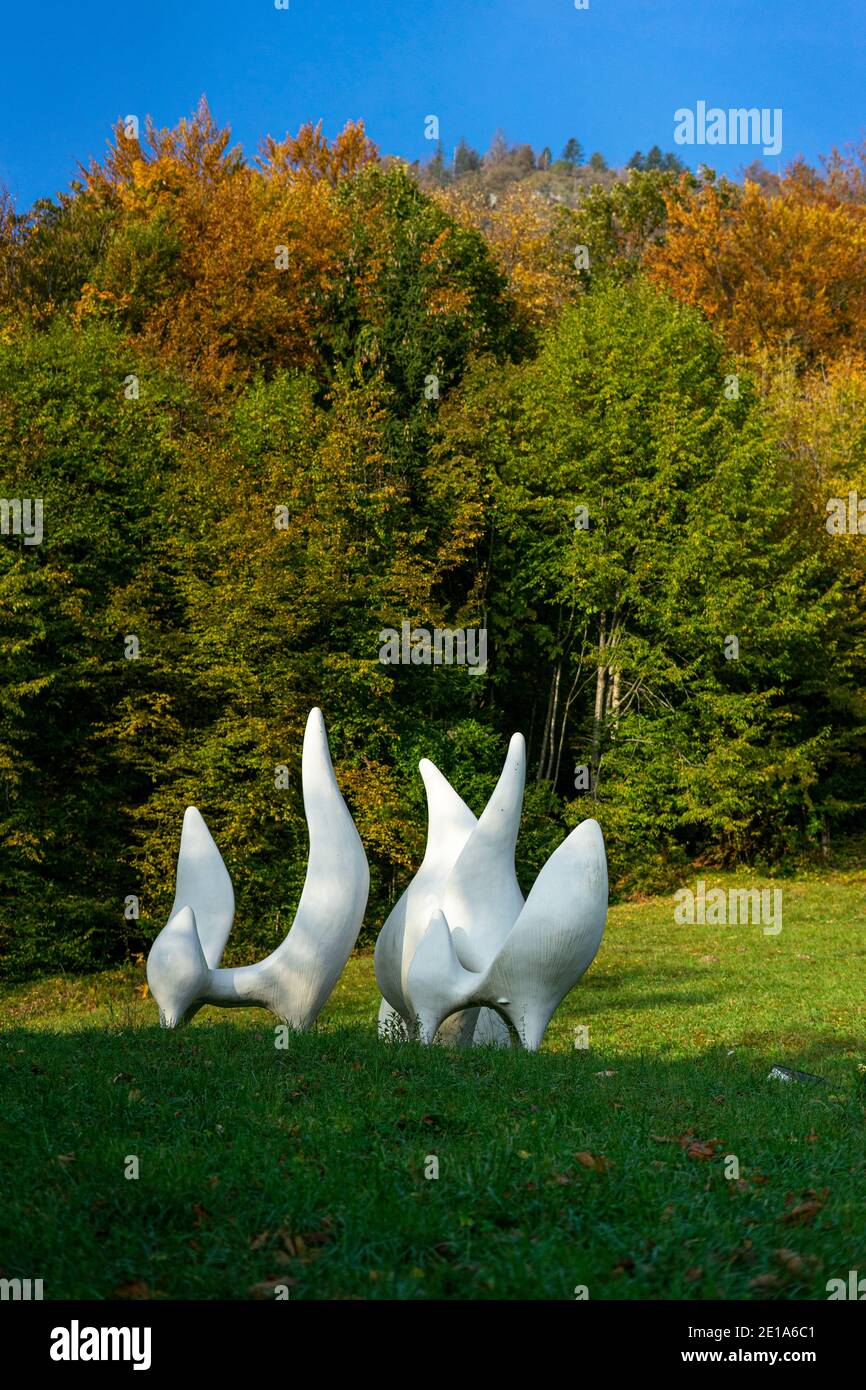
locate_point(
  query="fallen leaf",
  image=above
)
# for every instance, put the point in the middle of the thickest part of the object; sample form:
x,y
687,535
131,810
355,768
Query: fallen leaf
x,y
134,1289
800,1215
792,1262
697,1148
597,1162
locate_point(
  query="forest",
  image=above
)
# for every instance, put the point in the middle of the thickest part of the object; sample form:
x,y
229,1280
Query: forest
x,y
273,408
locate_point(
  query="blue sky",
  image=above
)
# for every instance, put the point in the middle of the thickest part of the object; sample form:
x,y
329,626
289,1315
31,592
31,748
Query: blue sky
x,y
612,75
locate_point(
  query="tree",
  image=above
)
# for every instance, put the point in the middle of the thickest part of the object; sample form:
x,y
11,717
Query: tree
x,y
655,161
619,224
532,241
499,149
466,160
573,152
775,272
435,170
615,633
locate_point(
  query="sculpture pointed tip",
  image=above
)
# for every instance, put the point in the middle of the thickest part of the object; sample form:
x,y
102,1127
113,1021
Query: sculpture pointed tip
x,y
591,832
431,776
515,761
316,737
449,819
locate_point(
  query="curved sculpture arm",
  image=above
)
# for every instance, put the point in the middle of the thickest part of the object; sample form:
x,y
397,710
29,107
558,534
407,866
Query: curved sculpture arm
x,y
295,980
449,825
202,882
556,937
468,872
301,973
438,985
551,945
482,896
177,973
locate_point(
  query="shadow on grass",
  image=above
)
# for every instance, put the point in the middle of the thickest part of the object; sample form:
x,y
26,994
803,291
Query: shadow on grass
x,y
313,1166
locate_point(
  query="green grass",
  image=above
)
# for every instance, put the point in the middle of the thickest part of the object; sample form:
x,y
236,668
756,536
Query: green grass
x,y
306,1166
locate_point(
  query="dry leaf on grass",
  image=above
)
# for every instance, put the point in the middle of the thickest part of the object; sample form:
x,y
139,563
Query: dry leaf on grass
x,y
803,1212
133,1289
597,1162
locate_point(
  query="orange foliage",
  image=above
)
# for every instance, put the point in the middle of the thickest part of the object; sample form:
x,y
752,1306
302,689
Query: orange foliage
x,y
779,270
238,262
308,155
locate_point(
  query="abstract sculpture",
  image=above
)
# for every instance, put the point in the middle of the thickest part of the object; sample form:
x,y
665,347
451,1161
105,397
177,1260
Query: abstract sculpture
x,y
461,945
295,980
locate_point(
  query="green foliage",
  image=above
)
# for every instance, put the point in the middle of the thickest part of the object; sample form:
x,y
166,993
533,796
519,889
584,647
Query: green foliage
x,y
100,464
573,152
48,255
611,642
665,163
617,224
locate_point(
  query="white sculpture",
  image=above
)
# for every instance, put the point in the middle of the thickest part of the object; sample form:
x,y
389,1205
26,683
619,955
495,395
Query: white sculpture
x,y
295,980
461,945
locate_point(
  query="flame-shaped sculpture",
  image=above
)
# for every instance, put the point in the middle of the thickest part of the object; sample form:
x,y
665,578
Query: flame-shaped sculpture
x,y
461,945
295,980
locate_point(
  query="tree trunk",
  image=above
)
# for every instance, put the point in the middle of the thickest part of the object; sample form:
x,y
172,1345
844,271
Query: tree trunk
x,y
600,700
542,752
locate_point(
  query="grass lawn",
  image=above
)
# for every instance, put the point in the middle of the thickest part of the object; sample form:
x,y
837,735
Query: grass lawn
x,y
602,1167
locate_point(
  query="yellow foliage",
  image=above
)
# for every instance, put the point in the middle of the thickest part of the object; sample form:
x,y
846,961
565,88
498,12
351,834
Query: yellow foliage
x,y
528,239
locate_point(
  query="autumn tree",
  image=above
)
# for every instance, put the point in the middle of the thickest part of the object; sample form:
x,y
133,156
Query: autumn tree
x,y
776,272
